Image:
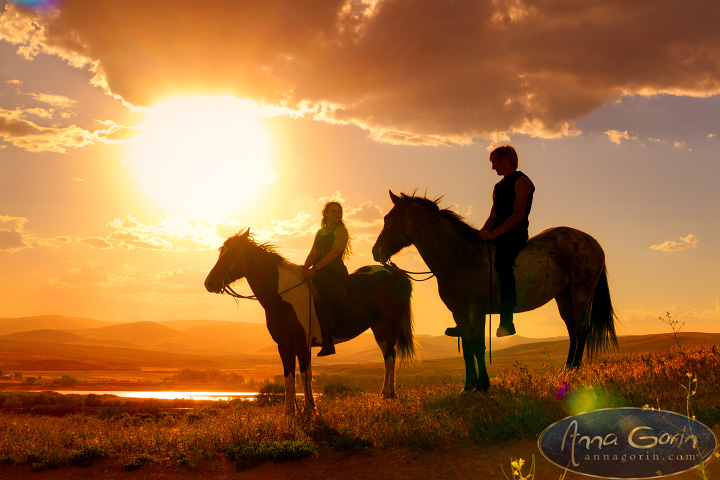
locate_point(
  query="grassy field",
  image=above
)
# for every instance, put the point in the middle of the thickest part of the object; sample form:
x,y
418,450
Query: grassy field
x,y
47,431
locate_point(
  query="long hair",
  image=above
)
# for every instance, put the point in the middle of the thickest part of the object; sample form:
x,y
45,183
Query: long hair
x,y
347,253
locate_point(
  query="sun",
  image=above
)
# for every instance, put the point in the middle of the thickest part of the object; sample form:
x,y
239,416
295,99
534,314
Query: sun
x,y
203,156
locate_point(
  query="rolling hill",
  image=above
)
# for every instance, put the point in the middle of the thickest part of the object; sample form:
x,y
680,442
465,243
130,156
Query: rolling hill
x,y
92,345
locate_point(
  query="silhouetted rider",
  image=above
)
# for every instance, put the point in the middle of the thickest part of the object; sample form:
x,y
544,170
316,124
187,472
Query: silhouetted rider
x,y
507,227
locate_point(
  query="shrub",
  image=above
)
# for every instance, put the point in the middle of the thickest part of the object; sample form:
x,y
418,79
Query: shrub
x,y
137,462
250,454
270,394
86,456
339,390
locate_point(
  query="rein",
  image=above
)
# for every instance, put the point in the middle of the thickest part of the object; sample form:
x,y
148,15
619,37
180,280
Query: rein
x,y
432,274
226,288
390,263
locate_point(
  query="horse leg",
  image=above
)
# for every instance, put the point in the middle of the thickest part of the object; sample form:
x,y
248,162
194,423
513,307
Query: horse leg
x,y
304,360
567,313
582,309
386,343
287,355
468,347
477,318
574,314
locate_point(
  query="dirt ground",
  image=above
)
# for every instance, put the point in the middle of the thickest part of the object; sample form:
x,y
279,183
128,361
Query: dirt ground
x,y
465,461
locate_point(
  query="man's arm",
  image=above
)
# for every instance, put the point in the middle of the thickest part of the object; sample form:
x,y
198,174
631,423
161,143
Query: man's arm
x,y
522,193
490,220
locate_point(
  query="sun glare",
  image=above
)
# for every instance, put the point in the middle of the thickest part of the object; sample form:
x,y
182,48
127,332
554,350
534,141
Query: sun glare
x,y
202,155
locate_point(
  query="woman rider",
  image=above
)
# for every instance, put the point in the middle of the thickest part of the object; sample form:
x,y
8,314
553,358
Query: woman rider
x,y
330,276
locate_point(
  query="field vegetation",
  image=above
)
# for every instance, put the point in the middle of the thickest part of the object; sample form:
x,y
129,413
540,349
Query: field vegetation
x,y
48,430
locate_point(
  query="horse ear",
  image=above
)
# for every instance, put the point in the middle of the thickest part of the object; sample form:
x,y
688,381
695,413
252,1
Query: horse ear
x,y
244,236
395,199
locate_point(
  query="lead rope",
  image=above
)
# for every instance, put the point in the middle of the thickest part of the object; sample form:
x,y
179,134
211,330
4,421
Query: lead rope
x,y
310,303
490,269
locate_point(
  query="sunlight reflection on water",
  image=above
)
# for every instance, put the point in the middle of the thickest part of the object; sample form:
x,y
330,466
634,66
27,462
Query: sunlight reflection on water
x,y
165,395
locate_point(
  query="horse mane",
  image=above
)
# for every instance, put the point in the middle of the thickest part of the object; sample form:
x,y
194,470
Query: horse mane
x,y
456,220
267,248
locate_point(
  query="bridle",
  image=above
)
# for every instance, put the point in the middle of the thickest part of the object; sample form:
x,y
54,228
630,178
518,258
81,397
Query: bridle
x,y
226,288
226,281
389,263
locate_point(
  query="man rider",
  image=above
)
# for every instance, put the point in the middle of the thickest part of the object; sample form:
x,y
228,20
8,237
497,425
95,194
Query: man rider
x,y
507,228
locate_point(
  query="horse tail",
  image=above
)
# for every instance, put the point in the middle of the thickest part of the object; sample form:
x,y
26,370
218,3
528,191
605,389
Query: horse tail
x,y
601,334
406,340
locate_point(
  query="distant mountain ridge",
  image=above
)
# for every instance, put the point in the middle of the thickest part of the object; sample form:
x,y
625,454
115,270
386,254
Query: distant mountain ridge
x,y
204,337
54,342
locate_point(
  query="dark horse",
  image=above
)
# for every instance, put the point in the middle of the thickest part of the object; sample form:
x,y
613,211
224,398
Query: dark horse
x,y
561,263
280,288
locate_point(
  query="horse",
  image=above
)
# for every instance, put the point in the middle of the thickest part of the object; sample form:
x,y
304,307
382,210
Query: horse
x,y
561,263
288,299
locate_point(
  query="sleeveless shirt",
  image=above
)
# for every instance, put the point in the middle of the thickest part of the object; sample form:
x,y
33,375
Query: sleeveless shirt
x,y
504,201
323,244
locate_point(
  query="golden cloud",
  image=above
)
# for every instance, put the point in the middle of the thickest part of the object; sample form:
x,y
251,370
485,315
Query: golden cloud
x,y
409,72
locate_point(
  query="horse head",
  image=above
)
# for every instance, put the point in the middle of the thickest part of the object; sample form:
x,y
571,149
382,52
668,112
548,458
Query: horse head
x,y
230,265
392,238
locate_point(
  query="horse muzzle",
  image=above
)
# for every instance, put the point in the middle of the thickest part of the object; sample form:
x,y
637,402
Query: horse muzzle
x,y
378,254
213,286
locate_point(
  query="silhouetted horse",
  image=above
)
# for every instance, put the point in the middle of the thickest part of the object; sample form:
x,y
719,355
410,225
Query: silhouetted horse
x,y
561,263
280,288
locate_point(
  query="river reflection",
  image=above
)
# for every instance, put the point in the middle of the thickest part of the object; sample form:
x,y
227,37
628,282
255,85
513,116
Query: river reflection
x,y
165,395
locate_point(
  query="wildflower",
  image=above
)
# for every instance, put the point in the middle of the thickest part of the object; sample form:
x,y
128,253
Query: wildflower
x,y
562,390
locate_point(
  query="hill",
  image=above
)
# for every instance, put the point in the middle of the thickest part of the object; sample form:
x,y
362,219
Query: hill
x,y
52,322
92,345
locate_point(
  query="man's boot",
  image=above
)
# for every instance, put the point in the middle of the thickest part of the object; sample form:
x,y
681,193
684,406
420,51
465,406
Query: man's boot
x,y
507,327
328,348
452,332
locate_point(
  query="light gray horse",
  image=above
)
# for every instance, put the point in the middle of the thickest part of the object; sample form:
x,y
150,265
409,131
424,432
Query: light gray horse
x,y
561,263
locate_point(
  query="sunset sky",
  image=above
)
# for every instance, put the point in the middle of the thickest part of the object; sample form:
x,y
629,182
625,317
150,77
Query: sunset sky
x,y
136,135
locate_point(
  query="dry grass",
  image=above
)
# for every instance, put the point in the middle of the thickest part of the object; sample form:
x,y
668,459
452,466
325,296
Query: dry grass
x,y
428,412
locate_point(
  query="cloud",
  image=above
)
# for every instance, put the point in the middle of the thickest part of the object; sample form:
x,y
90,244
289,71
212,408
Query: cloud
x,y
144,241
82,273
97,242
408,72
617,136
59,101
689,241
27,135
172,233
12,236
365,218
12,240
54,241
